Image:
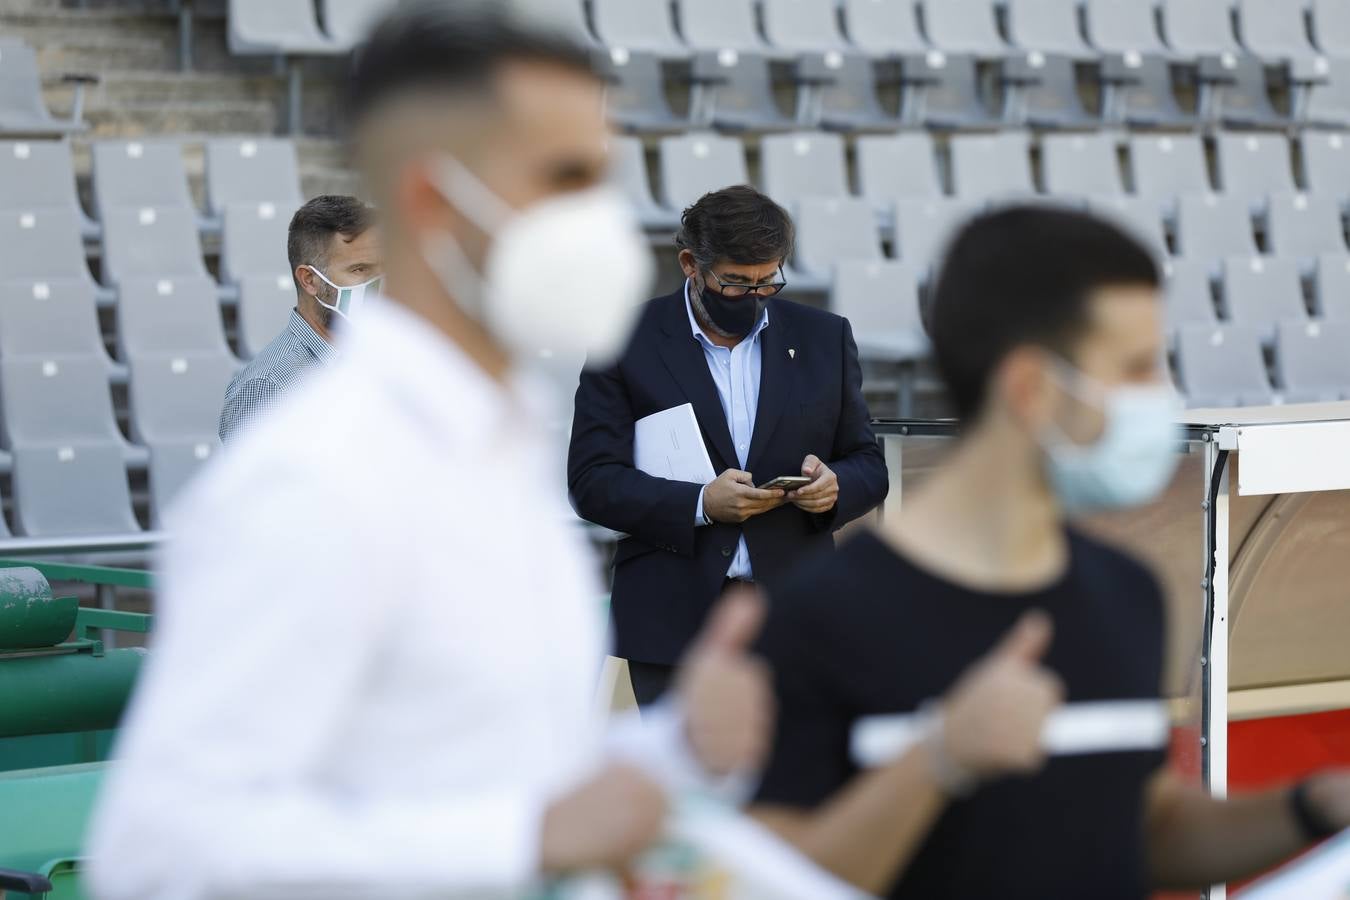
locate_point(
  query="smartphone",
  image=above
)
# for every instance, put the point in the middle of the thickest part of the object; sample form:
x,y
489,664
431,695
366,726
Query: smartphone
x,y
785,482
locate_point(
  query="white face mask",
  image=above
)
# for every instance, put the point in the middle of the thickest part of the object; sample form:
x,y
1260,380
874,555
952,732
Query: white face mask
x,y
563,277
350,298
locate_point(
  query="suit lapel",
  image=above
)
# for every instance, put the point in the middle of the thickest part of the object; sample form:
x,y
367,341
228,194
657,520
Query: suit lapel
x,y
775,386
683,356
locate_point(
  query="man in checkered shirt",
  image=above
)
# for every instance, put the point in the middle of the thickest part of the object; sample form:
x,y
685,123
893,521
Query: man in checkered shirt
x,y
332,244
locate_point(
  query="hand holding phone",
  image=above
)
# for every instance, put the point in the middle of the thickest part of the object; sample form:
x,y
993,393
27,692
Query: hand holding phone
x,y
785,483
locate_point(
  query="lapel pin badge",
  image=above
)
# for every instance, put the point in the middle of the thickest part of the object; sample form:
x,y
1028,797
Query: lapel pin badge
x,y
792,353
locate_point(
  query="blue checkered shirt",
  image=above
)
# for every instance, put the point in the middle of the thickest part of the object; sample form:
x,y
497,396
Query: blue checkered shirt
x,y
276,369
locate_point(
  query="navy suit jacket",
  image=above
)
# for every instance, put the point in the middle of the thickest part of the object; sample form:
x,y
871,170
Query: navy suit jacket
x,y
667,572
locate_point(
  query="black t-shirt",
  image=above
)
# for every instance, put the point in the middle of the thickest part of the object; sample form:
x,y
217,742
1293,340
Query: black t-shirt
x,y
864,631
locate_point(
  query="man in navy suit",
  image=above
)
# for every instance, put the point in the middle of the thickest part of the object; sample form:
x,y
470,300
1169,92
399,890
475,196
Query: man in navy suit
x,y
777,390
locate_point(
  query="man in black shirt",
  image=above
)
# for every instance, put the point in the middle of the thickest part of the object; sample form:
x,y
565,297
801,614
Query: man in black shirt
x,y
1047,328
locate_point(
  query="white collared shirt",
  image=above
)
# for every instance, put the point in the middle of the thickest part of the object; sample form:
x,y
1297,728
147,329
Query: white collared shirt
x,y
376,651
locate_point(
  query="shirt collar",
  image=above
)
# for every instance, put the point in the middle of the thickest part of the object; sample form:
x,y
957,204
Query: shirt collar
x,y
702,338
314,343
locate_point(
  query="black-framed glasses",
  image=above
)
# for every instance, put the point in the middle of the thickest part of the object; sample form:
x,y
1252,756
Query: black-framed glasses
x,y
733,290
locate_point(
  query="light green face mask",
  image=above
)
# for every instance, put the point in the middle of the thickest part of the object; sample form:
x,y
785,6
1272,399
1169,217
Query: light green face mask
x,y
350,298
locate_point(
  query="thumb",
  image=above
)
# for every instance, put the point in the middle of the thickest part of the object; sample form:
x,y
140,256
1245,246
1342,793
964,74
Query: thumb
x,y
740,477
1027,640
809,464
733,623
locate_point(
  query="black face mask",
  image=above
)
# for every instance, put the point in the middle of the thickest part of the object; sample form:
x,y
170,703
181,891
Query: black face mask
x,y
732,315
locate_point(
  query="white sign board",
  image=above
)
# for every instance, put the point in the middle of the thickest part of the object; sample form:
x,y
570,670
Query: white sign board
x,y
1293,458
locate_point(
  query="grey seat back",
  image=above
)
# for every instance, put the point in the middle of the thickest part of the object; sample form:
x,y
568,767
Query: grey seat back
x,y
1326,164
1331,286
638,25
636,96
1199,27
265,304
251,170
719,24
896,165
740,90
136,174
942,91
56,398
1238,91
150,242
168,315
272,26
1311,363
883,27
35,174
847,85
923,227
831,230
173,464
1166,166
21,102
1122,26
1213,226
989,165
880,299
1331,26
1140,92
1045,93
1082,165
70,489
1260,291
810,26
803,164
253,240
176,395
1302,226
1188,293
693,164
56,317
1050,26
1254,165
1222,365
1274,29
963,26
1138,216
41,244
628,172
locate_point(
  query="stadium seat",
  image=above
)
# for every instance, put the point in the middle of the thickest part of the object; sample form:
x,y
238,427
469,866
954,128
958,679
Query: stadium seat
x,y
277,28
265,304
628,170
1326,165
1123,27
1214,226
1222,365
22,110
57,317
1273,29
168,315
985,166
896,165
720,25
1253,166
1189,296
73,488
803,164
963,26
880,299
348,22
150,242
1137,215
1167,166
565,17
1050,26
736,92
251,170
1331,286
643,25
1081,165
1328,100
884,28
942,91
1199,27
832,230
177,395
802,26
1311,364
137,174
636,99
1260,291
172,465
1138,92
37,174
843,87
922,228
42,244
1302,226
253,240
1042,92
693,164
1330,26
57,398
1233,92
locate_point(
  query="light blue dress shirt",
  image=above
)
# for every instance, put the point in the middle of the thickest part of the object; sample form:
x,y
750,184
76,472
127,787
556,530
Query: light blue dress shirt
x,y
735,371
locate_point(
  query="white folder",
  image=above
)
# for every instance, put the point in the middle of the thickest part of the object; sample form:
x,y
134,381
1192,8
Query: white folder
x,y
669,444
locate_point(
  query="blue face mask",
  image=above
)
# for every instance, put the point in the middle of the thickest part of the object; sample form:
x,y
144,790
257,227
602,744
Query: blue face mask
x,y
1133,458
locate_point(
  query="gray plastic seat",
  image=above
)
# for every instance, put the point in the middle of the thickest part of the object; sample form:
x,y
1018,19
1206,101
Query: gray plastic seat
x,y
1199,27
644,25
1303,226
1042,92
923,227
22,110
35,174
636,98
1138,92
880,299
1213,226
896,165
831,230
1311,364
990,165
39,244
1254,166
693,164
265,304
1050,26
277,27
172,465
842,88
1326,165
963,26
1273,29
563,17
1123,26
628,170
1331,286
70,489
253,240
803,164
1328,102
150,242
168,315
1222,365
1187,290
942,91
1331,26
251,170
802,26
736,92
1260,291
1233,92
1167,166
1139,216
720,25
1081,165
57,317
56,398
135,174
883,28
175,396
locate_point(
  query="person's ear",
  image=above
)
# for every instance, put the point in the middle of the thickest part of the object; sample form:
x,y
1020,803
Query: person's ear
x,y
309,282
1024,388
688,264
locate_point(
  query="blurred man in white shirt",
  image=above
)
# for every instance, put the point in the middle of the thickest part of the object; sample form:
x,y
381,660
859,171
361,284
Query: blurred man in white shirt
x,y
379,637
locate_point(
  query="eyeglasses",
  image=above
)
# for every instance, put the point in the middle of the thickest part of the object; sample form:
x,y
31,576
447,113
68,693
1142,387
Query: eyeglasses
x,y
733,290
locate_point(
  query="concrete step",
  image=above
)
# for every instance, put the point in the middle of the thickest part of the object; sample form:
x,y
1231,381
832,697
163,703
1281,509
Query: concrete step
x,y
119,88
155,119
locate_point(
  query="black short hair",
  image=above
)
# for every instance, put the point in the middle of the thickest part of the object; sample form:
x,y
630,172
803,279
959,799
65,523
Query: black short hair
x,y
436,44
738,224
1023,275
315,223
